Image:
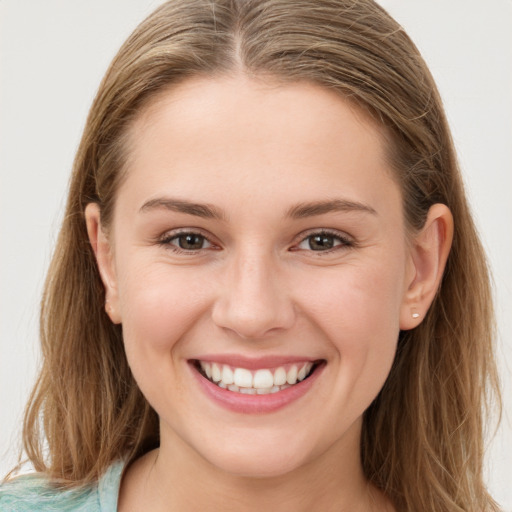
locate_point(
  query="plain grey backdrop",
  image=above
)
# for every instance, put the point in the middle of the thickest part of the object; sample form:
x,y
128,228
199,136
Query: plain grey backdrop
x,y
52,57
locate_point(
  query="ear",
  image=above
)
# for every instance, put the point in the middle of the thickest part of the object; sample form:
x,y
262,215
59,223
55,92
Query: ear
x,y
104,257
429,252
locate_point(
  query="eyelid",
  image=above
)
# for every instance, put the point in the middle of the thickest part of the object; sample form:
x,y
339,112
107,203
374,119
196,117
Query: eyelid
x,y
346,240
165,239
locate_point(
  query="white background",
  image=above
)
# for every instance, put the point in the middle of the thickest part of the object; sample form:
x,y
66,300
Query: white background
x,y
53,54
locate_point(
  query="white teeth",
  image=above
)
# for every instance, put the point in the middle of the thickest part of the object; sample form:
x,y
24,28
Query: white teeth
x,y
291,376
280,376
263,379
243,378
207,369
227,375
301,375
262,382
216,374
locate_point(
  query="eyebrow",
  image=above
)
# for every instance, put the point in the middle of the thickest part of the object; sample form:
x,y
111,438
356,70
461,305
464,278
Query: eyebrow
x,y
304,210
205,211
299,211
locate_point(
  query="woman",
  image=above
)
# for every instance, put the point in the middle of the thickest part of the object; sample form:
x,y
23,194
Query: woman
x,y
247,306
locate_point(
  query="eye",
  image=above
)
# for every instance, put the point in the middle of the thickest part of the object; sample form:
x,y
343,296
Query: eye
x,y
187,241
323,242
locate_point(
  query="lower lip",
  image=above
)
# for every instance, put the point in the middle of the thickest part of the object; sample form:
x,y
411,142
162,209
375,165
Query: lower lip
x,y
256,404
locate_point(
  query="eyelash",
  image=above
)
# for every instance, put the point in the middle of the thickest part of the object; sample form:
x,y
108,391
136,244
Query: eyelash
x,y
166,241
343,241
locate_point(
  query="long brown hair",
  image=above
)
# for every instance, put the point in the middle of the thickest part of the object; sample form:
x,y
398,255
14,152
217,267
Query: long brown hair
x,y
422,439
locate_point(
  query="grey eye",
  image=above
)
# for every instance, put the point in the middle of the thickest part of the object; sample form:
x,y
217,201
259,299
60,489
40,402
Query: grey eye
x,y
321,242
190,241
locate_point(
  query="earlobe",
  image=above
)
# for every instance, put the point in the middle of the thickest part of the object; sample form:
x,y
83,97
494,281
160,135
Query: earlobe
x,y
104,258
429,253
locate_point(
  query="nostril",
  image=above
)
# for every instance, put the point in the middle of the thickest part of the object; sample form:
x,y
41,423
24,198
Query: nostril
x,y
253,303
260,321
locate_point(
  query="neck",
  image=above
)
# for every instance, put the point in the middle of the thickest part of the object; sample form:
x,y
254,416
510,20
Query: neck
x,y
176,478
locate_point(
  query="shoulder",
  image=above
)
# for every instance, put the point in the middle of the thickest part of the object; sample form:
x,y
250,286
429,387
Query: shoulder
x,y
32,493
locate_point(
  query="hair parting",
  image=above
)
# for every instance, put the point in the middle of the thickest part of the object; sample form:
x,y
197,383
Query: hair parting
x,y
422,439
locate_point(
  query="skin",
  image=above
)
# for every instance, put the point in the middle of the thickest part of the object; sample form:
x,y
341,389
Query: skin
x,y
253,151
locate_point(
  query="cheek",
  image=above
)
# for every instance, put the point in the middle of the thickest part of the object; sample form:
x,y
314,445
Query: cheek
x,y
159,305
364,298
358,309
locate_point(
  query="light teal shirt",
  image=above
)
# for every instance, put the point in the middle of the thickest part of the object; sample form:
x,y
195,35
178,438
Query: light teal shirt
x,y
32,493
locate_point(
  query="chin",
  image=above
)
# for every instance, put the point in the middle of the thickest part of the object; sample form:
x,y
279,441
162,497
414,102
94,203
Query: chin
x,y
259,468
259,458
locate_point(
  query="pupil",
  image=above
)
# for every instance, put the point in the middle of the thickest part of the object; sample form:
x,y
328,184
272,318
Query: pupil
x,y
191,241
321,242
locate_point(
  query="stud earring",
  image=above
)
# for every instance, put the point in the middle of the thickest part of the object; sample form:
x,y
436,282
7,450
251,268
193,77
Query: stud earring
x,y
415,315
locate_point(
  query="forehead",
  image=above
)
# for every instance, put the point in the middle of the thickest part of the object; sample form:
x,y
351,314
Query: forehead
x,y
254,135
264,103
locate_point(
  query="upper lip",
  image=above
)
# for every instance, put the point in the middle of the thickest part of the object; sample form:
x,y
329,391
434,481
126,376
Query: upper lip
x,y
254,363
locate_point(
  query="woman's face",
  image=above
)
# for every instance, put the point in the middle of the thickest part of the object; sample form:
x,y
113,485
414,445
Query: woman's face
x,y
257,237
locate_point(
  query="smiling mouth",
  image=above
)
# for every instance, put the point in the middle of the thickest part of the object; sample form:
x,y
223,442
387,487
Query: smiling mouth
x,y
256,382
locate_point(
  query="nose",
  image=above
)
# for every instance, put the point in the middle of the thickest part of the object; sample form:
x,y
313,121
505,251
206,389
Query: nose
x,y
253,300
